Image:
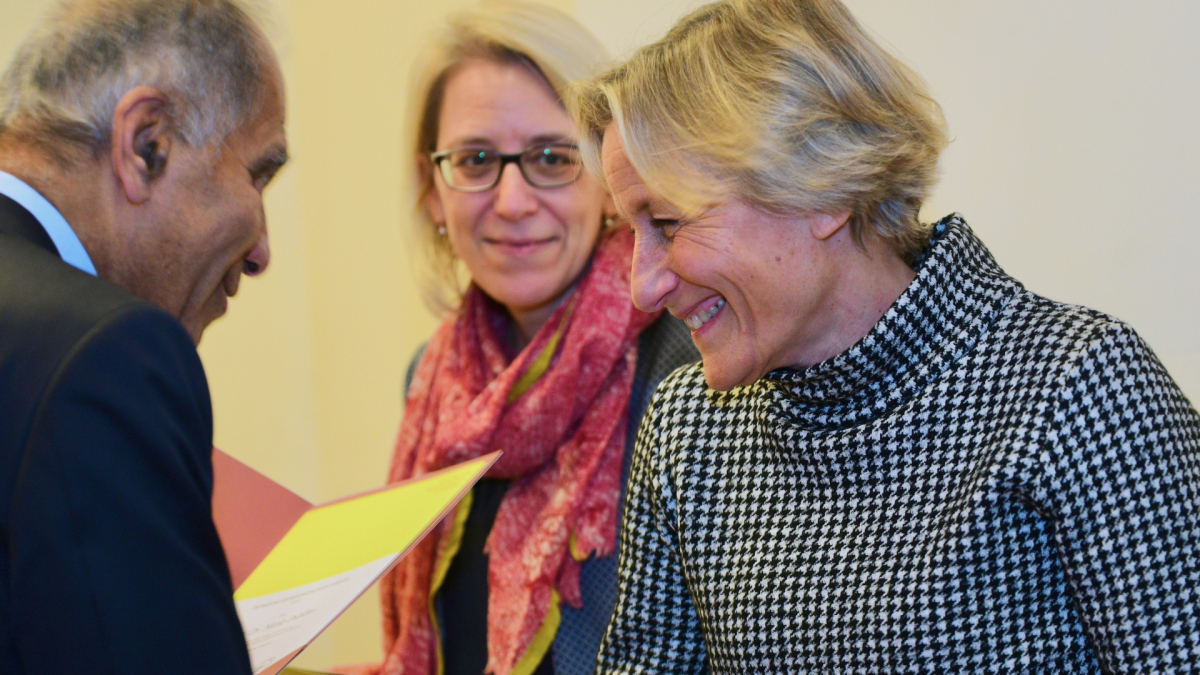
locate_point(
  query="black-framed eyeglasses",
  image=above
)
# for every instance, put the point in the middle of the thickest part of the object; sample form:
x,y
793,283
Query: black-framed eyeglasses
x,y
546,165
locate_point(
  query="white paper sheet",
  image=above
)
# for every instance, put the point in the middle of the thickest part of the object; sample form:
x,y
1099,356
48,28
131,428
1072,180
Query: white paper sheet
x,y
280,623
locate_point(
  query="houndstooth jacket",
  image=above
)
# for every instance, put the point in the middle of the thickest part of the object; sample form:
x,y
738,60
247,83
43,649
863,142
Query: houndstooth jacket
x,y
988,481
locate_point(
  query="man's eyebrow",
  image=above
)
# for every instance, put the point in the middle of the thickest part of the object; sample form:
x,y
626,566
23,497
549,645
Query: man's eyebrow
x,y
271,162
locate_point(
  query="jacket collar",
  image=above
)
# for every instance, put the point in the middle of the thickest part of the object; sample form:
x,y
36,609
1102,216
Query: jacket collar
x,y
15,221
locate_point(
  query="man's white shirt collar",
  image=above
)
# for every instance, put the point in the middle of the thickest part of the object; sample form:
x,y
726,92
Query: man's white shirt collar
x,y
64,238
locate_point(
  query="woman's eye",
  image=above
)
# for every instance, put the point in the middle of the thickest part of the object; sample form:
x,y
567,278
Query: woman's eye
x,y
667,226
473,159
555,157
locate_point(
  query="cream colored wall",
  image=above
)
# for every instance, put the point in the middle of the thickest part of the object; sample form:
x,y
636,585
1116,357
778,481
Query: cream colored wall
x,y
1076,152
1076,157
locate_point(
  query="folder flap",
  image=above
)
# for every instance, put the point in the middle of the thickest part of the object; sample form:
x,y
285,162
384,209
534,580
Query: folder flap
x,y
343,535
252,513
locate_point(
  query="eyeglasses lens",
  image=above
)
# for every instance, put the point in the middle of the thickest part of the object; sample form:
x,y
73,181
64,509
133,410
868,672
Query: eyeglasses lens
x,y
542,166
551,165
470,168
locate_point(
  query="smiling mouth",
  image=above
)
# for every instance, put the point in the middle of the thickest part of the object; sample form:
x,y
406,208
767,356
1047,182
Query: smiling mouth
x,y
519,244
699,319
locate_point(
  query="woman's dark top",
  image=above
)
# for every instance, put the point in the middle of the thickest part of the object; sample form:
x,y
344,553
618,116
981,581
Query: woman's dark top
x,y
462,600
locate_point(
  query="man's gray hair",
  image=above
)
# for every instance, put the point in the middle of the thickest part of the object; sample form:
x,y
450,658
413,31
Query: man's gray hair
x,y
64,84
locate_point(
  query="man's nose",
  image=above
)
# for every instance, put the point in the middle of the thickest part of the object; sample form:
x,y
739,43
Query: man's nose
x,y
652,279
259,257
515,198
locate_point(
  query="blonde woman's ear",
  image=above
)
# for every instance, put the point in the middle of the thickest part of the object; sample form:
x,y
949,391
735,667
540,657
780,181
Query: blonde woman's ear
x,y
609,210
825,225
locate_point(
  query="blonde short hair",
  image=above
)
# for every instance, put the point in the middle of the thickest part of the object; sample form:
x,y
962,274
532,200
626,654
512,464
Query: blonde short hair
x,y
788,104
549,43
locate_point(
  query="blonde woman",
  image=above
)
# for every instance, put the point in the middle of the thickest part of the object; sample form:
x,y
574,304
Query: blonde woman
x,y
542,356
894,458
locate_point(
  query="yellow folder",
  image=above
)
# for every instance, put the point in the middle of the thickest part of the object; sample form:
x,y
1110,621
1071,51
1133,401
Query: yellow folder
x,y
296,567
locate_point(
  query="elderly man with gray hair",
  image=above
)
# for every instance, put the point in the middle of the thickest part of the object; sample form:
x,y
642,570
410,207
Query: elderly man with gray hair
x,y
136,138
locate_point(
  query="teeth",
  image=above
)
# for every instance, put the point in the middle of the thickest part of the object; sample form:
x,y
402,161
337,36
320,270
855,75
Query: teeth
x,y
702,318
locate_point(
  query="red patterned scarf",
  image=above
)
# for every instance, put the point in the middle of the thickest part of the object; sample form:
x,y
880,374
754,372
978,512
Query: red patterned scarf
x,y
559,412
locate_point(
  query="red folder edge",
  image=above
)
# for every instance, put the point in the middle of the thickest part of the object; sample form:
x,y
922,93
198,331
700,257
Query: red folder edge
x,y
253,513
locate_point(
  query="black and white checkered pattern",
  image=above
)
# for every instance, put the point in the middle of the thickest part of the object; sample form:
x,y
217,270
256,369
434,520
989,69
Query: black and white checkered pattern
x,y
663,347
988,481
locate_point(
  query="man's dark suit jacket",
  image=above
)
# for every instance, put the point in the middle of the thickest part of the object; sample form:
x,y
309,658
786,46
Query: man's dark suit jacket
x,y
110,561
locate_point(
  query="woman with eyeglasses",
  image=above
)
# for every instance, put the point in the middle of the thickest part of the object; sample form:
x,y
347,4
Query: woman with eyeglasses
x,y
543,356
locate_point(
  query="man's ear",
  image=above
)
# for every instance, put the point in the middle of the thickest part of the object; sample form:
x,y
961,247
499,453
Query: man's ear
x,y
141,144
825,225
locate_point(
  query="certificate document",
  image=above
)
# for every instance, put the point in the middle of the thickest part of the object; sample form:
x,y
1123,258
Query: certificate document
x,y
297,567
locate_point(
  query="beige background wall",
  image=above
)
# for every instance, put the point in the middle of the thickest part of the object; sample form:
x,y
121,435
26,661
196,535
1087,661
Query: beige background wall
x,y
1076,157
